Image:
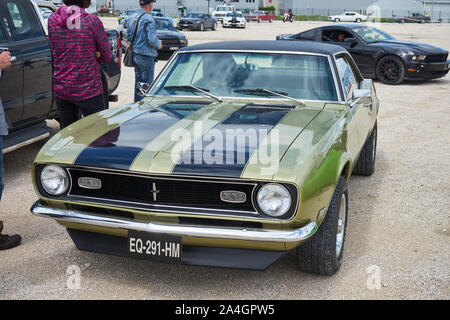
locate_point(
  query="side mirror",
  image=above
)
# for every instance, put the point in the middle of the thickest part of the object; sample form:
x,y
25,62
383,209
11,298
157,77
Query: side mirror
x,y
143,89
352,41
361,93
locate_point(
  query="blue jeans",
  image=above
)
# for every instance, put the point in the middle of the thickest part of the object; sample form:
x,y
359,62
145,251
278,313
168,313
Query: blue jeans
x,y
144,71
2,183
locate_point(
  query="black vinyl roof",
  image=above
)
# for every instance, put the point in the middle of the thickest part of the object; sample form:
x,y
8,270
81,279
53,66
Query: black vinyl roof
x,y
279,45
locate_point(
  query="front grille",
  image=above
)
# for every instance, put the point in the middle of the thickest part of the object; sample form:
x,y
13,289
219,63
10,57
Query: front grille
x,y
169,192
124,191
170,42
436,57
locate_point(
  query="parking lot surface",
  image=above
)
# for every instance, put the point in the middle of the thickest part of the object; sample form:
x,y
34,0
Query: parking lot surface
x,y
397,243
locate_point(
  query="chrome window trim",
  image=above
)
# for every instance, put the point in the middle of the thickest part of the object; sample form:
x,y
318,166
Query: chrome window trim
x,y
329,57
256,214
355,70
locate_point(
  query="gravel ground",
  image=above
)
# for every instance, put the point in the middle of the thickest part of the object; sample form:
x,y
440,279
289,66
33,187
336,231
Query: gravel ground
x,y
398,226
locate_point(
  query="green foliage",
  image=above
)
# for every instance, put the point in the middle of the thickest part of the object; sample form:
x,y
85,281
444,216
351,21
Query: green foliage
x,y
270,8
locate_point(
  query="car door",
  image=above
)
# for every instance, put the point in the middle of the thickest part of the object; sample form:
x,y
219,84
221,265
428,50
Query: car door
x,y
11,80
37,61
209,21
361,109
349,16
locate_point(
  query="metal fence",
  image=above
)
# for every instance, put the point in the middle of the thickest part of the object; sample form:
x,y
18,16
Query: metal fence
x,y
319,14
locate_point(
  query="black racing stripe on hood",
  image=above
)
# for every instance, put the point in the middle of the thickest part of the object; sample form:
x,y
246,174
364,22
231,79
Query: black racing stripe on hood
x,y
231,154
118,148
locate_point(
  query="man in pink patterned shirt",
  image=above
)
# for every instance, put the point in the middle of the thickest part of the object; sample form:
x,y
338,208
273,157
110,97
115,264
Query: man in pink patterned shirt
x,y
79,43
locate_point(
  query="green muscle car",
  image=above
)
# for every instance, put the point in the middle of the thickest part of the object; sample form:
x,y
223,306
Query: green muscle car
x,y
239,152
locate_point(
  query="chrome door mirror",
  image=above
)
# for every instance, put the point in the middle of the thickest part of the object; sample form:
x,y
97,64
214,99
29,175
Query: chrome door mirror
x,y
143,89
361,93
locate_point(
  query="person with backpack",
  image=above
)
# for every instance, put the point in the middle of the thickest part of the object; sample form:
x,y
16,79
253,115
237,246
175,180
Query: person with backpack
x,y
144,44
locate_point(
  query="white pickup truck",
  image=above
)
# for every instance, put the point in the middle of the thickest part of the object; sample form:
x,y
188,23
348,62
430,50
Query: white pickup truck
x,y
221,11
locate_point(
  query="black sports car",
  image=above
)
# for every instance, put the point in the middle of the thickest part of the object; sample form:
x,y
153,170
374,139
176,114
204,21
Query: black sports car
x,y
171,39
197,21
380,55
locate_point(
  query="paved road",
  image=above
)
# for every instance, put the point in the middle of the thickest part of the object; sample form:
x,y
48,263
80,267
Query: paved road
x,y
398,225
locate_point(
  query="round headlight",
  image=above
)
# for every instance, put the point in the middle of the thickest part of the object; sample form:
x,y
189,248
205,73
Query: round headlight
x,y
54,180
274,199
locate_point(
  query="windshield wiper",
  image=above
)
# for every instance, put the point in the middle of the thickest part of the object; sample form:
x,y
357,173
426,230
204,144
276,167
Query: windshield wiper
x,y
193,88
260,91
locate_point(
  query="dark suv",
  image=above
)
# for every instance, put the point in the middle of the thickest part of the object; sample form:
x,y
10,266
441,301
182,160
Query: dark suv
x,y
26,87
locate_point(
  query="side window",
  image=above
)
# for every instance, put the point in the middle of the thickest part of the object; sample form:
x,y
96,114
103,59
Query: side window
x,y
2,35
335,35
20,19
308,35
346,74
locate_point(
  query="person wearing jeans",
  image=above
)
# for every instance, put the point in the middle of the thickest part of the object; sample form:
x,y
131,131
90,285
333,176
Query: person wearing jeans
x,y
145,44
6,241
79,43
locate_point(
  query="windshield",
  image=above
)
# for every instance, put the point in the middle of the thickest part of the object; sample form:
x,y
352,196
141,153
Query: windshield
x,y
245,75
372,34
224,9
196,15
164,24
234,14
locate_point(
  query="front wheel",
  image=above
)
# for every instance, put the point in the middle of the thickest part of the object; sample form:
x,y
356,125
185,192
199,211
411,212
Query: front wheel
x,y
358,20
270,20
337,20
390,70
259,20
214,26
322,253
365,165
202,27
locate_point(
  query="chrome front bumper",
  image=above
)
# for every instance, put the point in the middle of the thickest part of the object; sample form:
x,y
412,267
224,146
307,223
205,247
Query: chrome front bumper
x,y
293,235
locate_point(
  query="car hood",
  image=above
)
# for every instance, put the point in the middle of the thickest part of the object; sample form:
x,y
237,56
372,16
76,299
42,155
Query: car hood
x,y
195,137
284,36
190,20
413,46
169,34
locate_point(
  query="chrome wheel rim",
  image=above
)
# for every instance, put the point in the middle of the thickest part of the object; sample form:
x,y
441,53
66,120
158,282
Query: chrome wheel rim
x,y
341,226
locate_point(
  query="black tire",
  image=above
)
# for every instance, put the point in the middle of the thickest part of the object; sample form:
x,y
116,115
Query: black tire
x,y
337,20
319,254
259,20
402,21
390,70
358,20
214,28
270,20
365,165
202,27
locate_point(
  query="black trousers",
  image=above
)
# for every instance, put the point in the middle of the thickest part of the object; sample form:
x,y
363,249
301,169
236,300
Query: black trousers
x,y
70,111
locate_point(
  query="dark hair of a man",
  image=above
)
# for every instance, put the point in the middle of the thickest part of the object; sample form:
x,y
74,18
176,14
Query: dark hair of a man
x,y
80,3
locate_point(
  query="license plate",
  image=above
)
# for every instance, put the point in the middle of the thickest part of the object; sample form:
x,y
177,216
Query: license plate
x,y
154,246
173,48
